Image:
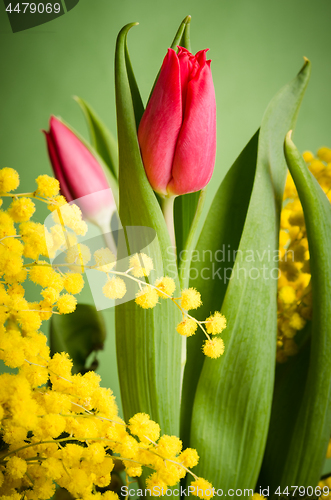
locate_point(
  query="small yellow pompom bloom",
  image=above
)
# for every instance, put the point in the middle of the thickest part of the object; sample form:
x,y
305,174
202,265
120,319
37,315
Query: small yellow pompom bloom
x,y
21,209
134,471
66,304
51,425
34,238
156,486
187,327
109,495
79,254
201,488
9,180
104,259
215,323
115,288
73,283
142,426
142,265
287,295
53,468
95,453
147,298
190,299
56,202
328,453
308,156
166,285
189,457
169,446
213,348
51,295
16,467
324,154
257,496
47,186
296,321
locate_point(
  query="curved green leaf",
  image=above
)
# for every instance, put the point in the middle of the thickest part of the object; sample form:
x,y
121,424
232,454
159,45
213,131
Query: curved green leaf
x,y
290,381
305,459
79,334
102,140
138,106
148,346
233,399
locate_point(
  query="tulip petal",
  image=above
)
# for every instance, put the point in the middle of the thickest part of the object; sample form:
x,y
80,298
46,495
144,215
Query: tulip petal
x,y
196,146
160,124
79,170
56,164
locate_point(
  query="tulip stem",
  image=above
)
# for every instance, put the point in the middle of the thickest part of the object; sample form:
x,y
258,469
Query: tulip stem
x,y
167,205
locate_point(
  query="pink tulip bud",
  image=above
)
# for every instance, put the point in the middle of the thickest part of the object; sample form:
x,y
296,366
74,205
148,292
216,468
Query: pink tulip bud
x,y
177,133
79,174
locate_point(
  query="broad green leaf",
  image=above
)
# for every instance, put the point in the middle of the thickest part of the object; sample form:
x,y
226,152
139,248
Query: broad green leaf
x,y
109,176
148,346
102,140
290,383
222,229
233,399
138,106
79,334
309,440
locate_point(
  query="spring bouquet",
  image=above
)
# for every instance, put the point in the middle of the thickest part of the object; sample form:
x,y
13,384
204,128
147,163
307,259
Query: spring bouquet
x,y
222,314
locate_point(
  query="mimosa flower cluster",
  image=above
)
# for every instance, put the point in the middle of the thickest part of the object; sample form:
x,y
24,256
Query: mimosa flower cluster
x,y
59,428
294,287
140,265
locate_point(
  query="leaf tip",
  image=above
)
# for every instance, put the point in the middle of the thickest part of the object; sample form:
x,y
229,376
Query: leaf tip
x,y
187,19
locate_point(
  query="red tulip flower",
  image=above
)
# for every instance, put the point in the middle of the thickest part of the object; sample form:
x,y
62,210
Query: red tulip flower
x,y
79,174
177,133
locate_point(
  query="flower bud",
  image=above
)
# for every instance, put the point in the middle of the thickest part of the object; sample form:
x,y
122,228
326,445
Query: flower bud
x,y
79,174
177,133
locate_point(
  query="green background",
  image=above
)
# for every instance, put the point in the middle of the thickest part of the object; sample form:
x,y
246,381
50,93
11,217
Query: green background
x,y
256,46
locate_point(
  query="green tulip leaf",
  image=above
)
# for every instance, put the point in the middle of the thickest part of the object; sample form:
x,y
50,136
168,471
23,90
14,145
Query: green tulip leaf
x,y
222,228
290,380
309,440
233,398
138,106
80,334
102,140
148,346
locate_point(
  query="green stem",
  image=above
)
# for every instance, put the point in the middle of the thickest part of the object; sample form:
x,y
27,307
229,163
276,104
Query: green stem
x,y
167,205
184,266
